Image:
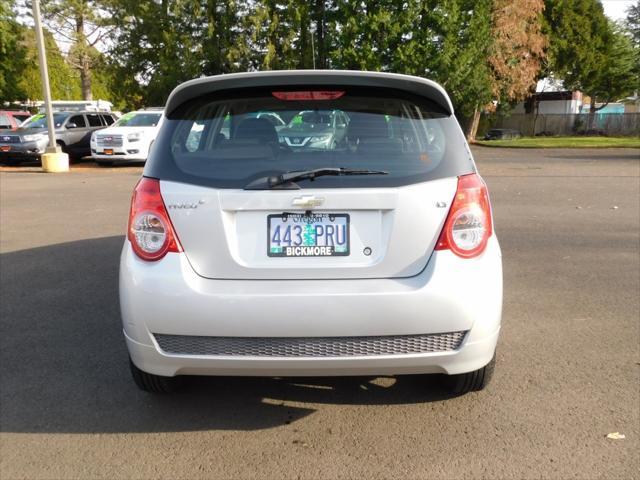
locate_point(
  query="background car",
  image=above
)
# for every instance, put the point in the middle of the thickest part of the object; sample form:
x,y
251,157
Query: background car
x,y
11,119
129,139
73,132
502,134
318,129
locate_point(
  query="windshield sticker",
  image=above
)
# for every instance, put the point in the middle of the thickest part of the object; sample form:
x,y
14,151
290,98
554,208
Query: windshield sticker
x,y
127,116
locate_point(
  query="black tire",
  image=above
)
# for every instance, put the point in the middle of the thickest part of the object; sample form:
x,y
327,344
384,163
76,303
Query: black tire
x,y
153,383
471,381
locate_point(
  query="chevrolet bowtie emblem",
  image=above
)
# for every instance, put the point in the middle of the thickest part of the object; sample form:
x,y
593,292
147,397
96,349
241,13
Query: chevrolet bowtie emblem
x,y
307,201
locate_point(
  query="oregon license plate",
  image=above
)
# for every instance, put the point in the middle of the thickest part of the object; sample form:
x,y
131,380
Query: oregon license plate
x,y
312,235
108,151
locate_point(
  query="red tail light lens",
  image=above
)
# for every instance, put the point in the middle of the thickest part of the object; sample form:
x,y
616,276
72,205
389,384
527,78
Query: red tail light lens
x,y
468,226
150,230
309,95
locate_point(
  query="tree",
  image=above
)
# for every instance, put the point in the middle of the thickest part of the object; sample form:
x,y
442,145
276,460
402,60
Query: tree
x,y
449,41
633,23
157,45
367,34
517,52
273,31
322,9
12,54
590,53
480,50
225,47
518,48
618,74
63,79
82,25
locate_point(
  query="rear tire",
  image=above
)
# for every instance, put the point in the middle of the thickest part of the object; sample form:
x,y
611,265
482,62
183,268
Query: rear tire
x,y
471,381
153,383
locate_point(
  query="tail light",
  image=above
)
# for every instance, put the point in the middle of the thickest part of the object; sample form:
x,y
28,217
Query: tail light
x,y
468,226
150,230
309,95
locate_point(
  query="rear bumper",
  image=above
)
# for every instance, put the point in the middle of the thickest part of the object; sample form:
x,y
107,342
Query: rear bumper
x,y
136,152
23,151
451,294
470,356
119,157
19,156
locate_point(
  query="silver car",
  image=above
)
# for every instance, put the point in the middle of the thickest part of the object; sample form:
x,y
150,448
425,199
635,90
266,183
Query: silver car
x,y
73,132
376,256
315,130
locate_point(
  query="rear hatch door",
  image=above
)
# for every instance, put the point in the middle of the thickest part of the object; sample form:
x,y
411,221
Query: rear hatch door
x,y
232,234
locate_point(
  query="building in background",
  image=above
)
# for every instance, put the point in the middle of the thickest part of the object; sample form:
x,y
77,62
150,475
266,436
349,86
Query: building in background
x,y
70,105
544,103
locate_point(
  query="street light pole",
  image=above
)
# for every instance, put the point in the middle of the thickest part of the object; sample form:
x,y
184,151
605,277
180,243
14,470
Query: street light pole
x,y
53,160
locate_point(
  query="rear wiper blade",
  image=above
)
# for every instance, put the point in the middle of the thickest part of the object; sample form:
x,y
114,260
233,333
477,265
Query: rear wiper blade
x,y
286,179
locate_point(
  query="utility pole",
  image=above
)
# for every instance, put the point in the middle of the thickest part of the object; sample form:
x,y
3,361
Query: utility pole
x,y
53,160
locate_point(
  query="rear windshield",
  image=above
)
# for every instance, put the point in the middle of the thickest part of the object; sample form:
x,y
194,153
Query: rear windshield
x,y
233,138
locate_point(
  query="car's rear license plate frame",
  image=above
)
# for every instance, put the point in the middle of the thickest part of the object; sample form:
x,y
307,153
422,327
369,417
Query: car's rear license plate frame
x,y
300,242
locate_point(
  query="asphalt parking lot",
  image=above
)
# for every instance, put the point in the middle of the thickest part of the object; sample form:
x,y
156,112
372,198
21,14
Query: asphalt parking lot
x,y
568,369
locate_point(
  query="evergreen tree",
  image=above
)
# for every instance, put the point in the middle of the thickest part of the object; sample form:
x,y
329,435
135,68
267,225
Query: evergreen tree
x,y
518,48
82,25
12,54
367,34
633,23
449,41
64,81
225,48
589,53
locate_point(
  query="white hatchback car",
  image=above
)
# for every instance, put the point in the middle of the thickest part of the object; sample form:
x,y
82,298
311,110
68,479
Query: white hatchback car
x,y
245,256
127,140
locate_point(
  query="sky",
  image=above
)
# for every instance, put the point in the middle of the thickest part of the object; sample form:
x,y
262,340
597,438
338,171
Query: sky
x,y
616,9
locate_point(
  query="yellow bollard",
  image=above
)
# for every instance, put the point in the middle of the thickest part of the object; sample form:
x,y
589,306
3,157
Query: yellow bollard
x,y
55,162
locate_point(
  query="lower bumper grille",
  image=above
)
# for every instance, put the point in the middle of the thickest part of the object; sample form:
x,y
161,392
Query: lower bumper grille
x,y
309,346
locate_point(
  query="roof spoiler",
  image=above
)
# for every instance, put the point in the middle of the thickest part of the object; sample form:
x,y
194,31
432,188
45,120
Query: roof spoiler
x,y
283,78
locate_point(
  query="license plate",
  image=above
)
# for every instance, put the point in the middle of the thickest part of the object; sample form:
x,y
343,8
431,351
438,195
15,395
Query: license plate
x,y
313,235
108,151
5,148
